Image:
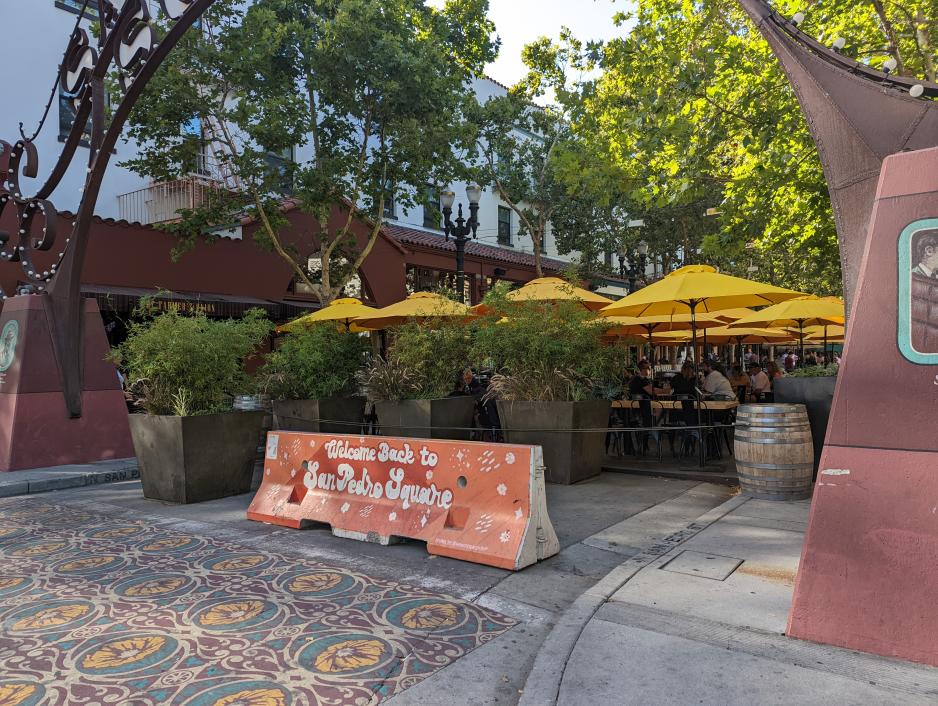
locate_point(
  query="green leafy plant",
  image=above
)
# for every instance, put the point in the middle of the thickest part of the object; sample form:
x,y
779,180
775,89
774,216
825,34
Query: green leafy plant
x,y
815,371
386,379
427,359
314,363
544,351
189,364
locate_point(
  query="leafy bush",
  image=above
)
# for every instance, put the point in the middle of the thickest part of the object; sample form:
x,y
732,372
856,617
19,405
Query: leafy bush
x,y
545,351
314,363
815,371
189,363
423,362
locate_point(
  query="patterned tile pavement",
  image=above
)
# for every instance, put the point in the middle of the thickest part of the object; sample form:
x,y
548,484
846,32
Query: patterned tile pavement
x,y
102,610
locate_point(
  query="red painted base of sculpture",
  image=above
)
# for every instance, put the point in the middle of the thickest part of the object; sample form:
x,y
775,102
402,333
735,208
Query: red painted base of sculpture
x,y
35,429
868,578
868,575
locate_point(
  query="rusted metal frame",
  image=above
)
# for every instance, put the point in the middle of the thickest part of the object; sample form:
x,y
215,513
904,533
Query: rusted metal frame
x,y
63,304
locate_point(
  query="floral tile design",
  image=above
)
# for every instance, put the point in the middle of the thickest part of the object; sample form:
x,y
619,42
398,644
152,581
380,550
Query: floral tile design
x,y
95,609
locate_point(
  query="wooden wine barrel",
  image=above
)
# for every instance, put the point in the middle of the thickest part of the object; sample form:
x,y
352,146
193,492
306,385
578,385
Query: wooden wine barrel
x,y
774,451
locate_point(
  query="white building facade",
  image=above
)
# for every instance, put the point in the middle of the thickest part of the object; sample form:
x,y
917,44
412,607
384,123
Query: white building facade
x,y
32,52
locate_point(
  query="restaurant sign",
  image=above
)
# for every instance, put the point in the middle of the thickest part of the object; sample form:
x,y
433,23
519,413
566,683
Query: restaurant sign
x,y
473,501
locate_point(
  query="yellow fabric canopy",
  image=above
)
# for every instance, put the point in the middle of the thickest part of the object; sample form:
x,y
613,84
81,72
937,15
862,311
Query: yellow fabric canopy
x,y
803,311
700,289
553,289
342,311
421,305
835,334
724,334
643,325
730,315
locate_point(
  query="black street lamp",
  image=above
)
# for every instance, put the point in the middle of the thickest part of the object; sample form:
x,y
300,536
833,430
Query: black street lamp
x,y
637,263
461,230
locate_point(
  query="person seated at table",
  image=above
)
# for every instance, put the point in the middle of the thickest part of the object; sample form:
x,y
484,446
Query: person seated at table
x,y
468,385
759,383
738,378
684,384
715,382
642,385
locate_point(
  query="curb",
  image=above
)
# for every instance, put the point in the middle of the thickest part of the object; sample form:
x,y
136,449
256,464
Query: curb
x,y
118,474
542,686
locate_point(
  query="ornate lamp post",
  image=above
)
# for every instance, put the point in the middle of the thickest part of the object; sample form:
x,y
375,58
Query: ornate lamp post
x,y
637,263
461,230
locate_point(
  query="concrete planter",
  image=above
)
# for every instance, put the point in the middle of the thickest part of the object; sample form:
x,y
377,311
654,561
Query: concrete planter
x,y
570,456
817,394
193,459
304,415
447,418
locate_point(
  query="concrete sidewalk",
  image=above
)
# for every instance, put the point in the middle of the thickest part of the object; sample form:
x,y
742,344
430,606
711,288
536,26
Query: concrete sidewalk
x,y
44,480
700,619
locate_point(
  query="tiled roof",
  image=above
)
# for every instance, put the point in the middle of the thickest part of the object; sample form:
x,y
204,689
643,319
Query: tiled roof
x,y
412,236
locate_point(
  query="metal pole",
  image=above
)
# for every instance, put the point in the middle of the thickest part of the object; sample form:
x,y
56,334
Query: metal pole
x,y
460,268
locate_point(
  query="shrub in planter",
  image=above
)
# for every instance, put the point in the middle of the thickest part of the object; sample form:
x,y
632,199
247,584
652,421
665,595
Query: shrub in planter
x,y
814,388
411,387
189,445
552,369
312,377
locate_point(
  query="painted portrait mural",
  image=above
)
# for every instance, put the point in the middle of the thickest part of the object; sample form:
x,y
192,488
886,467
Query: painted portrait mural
x,y
918,292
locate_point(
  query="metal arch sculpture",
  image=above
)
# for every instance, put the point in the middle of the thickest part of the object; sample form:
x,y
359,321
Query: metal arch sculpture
x,y
127,44
857,115
868,575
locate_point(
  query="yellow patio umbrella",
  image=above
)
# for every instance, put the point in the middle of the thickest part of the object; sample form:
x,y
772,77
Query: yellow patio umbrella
x,y
730,315
342,311
421,305
834,334
553,289
695,290
738,336
797,313
652,325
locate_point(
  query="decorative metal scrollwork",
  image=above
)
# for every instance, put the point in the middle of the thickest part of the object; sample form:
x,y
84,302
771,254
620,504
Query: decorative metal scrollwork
x,y
126,45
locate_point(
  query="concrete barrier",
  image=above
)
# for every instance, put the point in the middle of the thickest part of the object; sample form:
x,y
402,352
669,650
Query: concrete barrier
x,y
478,502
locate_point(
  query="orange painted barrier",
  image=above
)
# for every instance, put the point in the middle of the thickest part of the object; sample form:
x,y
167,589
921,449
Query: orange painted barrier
x,y
473,501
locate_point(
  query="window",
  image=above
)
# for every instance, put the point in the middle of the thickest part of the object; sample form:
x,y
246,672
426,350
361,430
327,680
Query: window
x,y
389,210
67,113
543,243
192,130
75,6
432,216
280,169
504,225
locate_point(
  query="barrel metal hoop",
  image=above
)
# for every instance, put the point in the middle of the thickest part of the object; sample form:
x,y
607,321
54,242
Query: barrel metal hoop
x,y
777,466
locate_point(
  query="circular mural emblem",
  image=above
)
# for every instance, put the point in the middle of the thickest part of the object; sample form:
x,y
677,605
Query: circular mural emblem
x,y
125,654
89,565
230,614
250,693
424,614
20,693
154,586
46,616
170,543
8,338
346,654
13,584
34,549
318,583
236,562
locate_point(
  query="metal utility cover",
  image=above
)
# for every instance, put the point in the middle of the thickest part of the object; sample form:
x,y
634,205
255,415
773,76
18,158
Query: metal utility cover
x,y
707,566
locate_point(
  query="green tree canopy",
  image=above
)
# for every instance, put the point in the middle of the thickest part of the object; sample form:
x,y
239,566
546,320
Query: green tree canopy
x,y
695,114
372,89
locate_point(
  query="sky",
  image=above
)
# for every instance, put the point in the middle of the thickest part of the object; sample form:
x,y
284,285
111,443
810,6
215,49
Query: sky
x,y
519,22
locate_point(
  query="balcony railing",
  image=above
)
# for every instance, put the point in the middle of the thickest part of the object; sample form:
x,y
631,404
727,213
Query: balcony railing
x,y
161,202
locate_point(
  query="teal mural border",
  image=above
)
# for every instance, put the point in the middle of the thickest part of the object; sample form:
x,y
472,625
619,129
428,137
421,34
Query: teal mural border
x,y
905,293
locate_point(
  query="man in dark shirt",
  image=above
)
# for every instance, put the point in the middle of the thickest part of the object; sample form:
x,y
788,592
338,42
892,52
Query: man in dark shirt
x,y
641,384
685,383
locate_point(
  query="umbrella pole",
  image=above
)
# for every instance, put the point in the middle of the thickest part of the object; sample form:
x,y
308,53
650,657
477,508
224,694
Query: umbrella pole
x,y
650,349
801,333
699,400
826,359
